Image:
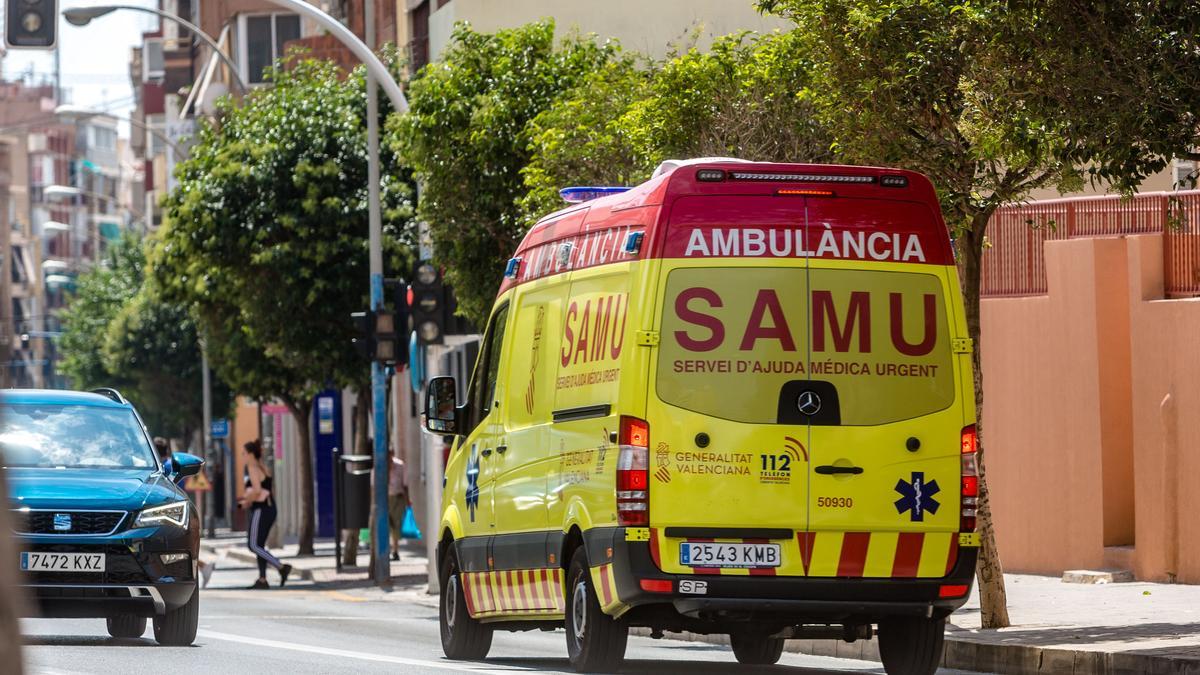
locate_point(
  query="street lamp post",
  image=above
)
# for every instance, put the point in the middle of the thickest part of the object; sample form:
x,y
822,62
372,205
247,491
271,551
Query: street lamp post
x,y
82,16
378,75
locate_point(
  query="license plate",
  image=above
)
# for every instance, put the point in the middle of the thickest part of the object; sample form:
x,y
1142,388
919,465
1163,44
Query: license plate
x,y
695,554
62,562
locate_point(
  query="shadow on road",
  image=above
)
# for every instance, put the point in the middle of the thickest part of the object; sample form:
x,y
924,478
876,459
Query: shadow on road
x,y
657,667
87,641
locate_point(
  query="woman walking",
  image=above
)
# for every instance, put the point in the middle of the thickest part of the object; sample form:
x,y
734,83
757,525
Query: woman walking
x,y
262,514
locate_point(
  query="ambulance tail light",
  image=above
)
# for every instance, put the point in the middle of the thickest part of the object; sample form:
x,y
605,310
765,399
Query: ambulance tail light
x,y
970,479
633,473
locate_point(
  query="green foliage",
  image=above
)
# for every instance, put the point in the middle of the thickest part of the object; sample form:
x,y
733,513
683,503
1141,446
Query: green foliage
x,y
267,232
118,332
1127,77
467,139
581,139
99,295
743,98
938,87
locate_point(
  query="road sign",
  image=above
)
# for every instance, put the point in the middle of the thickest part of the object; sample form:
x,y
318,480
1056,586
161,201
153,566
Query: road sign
x,y
197,483
219,428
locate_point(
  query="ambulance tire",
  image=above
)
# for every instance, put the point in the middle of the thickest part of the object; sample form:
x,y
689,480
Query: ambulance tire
x,y
756,650
911,646
595,641
463,638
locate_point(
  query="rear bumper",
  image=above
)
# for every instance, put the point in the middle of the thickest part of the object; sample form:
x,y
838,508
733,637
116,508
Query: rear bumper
x,y
770,600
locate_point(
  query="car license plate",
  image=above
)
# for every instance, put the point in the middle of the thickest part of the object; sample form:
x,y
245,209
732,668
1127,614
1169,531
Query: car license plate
x,y
708,554
62,562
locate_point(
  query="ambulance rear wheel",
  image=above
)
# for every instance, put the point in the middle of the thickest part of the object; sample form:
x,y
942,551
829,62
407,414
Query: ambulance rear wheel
x,y
756,650
911,646
463,638
595,641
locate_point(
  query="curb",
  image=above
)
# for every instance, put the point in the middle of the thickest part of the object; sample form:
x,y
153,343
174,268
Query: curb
x,y
316,576
985,657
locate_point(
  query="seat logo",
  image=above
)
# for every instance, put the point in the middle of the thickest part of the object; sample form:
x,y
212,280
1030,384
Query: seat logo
x,y
62,522
808,403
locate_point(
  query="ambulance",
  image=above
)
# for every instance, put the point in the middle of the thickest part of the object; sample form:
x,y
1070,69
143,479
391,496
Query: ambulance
x,y
735,399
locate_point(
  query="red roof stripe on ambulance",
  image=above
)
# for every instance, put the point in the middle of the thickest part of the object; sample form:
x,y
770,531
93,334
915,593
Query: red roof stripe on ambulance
x,y
594,233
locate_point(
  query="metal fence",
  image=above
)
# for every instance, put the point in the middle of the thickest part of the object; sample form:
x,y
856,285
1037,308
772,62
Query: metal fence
x,y
1014,264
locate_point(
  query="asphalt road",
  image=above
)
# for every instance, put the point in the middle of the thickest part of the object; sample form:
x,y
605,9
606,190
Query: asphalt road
x,y
306,629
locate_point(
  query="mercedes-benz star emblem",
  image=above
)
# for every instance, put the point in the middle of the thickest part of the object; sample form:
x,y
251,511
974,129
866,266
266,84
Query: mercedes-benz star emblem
x,y
809,403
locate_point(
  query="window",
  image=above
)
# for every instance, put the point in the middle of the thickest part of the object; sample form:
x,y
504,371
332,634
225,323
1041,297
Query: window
x,y
50,435
153,65
262,40
487,371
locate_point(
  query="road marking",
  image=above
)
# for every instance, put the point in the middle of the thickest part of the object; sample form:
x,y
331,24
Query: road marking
x,y
308,617
345,597
343,653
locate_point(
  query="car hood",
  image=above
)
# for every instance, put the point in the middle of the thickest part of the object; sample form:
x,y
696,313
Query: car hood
x,y
122,489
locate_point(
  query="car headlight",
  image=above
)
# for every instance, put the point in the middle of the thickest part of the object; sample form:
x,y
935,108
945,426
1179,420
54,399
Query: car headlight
x,y
175,513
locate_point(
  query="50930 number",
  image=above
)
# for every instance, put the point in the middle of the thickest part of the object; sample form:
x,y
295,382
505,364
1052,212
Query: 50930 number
x,y
835,502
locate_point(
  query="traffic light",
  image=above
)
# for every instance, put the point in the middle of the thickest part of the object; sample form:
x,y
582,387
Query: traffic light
x,y
32,24
364,334
376,338
428,305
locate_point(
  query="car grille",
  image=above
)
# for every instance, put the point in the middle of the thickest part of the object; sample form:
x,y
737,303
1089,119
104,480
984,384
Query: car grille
x,y
121,567
82,522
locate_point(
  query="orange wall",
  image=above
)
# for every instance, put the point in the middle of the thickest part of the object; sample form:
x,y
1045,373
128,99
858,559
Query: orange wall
x,y
1080,451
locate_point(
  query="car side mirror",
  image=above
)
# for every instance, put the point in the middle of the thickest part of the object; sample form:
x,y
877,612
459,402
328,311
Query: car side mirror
x,y
441,406
182,465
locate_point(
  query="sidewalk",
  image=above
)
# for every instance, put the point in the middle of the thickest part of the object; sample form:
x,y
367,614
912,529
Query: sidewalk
x,y
1057,627
321,568
1060,628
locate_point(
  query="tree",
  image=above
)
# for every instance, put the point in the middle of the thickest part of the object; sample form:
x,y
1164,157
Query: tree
x,y
1126,76
100,293
266,241
467,135
952,90
118,332
743,98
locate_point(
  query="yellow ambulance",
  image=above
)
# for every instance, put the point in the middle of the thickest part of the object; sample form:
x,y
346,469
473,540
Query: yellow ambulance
x,y
735,399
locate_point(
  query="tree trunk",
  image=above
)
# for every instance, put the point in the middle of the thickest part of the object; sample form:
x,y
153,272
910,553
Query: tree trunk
x,y
304,460
10,594
993,599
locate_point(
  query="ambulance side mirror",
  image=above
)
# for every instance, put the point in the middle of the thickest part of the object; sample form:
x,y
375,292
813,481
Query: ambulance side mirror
x,y
441,406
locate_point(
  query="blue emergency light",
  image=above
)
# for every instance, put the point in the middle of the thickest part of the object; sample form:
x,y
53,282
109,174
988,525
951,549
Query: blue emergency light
x,y
580,194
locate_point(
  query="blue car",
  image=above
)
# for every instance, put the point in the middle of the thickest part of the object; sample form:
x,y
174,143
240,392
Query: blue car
x,y
102,528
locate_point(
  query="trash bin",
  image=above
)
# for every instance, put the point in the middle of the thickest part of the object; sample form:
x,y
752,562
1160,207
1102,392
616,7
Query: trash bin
x,y
354,493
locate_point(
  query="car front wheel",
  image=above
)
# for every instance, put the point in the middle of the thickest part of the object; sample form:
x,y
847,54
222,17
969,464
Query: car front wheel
x,y
127,626
463,638
177,628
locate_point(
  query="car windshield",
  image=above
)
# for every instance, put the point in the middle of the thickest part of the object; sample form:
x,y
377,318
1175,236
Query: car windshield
x,y
49,435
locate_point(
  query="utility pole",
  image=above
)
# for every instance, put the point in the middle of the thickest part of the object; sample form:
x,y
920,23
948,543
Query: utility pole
x,y
206,383
6,261
383,460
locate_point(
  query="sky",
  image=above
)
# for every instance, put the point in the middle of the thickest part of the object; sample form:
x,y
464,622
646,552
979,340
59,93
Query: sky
x,y
95,58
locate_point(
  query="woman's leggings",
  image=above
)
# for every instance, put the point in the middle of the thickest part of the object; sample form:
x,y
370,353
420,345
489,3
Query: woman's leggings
x,y
262,517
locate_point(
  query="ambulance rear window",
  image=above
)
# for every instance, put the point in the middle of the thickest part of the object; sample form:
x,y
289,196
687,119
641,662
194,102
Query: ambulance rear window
x,y
739,342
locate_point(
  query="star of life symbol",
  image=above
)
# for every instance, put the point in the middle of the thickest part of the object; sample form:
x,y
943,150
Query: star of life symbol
x,y
917,496
473,483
